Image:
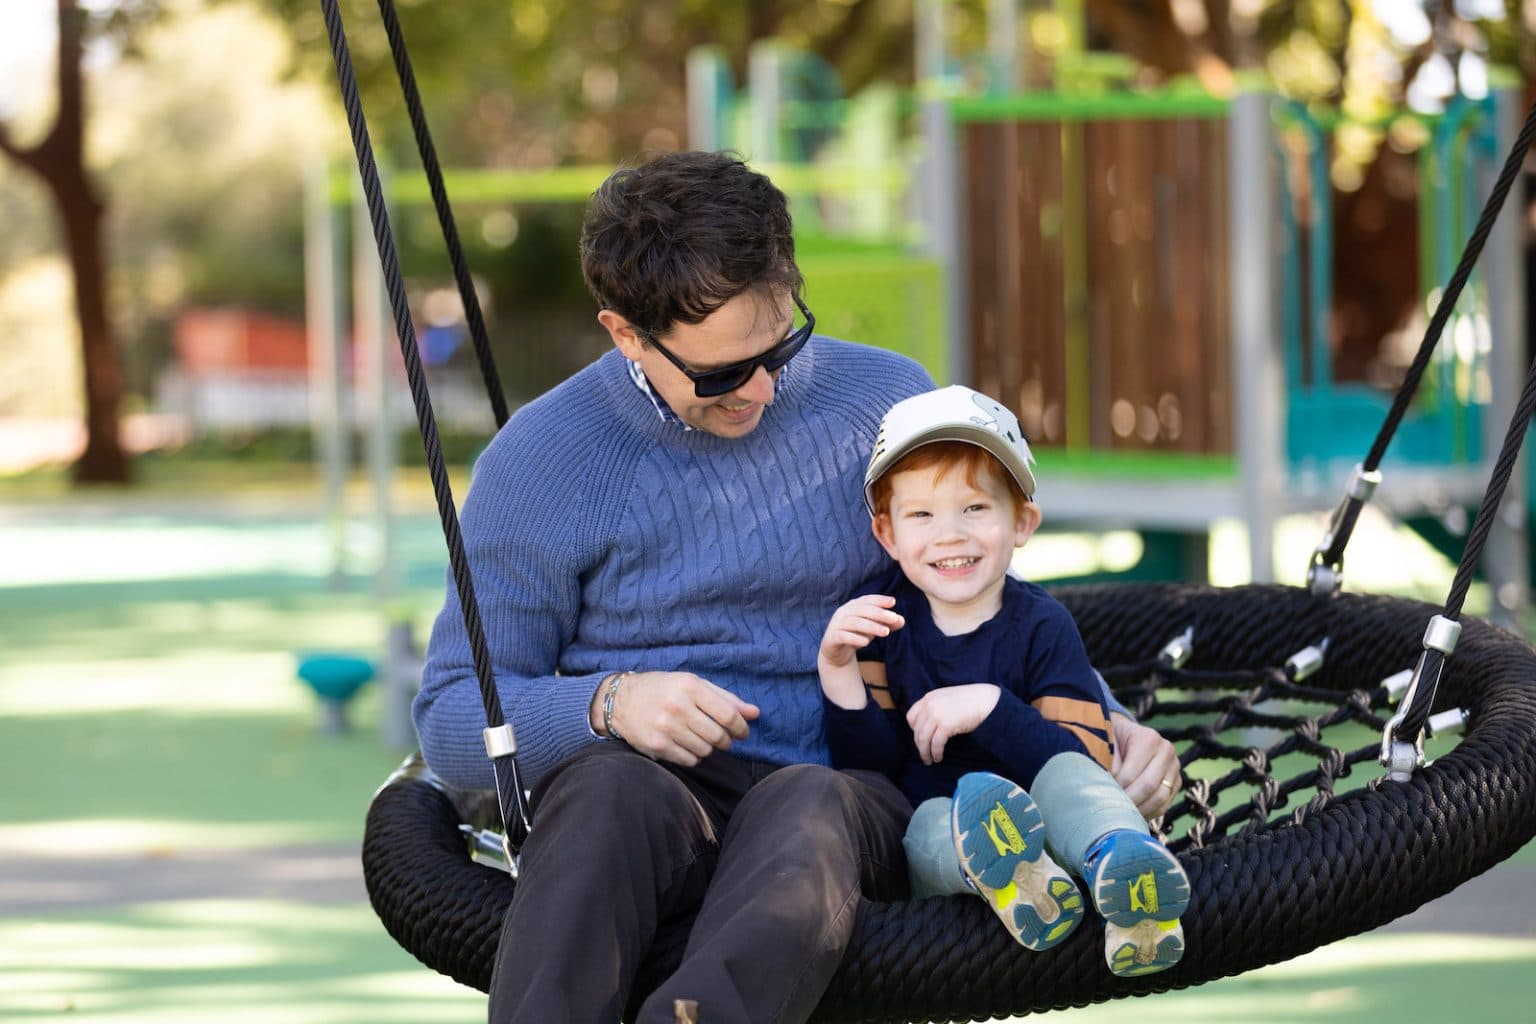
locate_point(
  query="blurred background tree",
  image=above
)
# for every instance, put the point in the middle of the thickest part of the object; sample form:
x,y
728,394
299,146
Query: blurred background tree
x,y
58,158
186,165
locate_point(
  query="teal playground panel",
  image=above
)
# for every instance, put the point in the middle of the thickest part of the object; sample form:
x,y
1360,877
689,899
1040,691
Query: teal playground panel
x,y
1332,421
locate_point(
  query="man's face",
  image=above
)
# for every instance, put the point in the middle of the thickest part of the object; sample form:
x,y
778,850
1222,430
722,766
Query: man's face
x,y
746,326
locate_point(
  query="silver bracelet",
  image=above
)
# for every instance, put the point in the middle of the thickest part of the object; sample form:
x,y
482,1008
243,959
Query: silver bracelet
x,y
613,682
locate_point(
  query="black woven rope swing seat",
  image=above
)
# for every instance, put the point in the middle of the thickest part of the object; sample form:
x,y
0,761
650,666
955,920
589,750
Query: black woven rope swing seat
x,y
1282,701
1281,873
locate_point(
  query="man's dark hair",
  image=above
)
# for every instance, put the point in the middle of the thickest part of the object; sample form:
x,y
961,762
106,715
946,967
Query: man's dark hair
x,y
674,239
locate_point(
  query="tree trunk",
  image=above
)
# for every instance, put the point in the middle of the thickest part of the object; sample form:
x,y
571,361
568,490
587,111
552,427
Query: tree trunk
x,y
59,160
81,217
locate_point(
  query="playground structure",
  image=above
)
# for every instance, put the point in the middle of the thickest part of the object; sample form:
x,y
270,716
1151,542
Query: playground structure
x,y
1144,276
1147,278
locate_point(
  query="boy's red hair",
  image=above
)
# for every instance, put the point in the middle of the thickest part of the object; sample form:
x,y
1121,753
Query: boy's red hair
x,y
944,456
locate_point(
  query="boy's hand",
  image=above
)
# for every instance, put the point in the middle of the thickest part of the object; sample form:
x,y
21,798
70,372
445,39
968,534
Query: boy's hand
x,y
854,625
949,711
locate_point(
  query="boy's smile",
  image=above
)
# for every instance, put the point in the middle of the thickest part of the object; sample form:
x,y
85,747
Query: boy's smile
x,y
954,540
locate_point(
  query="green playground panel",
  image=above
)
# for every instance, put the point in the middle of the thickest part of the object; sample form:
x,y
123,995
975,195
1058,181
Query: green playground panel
x,y
1136,464
1051,106
878,294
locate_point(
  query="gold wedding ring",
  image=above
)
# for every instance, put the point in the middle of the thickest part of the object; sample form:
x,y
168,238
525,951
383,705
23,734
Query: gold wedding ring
x,y
1167,783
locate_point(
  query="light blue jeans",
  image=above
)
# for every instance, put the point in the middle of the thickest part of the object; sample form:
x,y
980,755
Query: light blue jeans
x,y
1079,801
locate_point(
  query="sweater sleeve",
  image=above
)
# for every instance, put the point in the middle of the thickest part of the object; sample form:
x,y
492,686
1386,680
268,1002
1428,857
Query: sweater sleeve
x,y
1057,703
520,526
874,737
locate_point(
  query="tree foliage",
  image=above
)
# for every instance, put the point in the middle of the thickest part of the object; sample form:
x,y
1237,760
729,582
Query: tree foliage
x,y
540,83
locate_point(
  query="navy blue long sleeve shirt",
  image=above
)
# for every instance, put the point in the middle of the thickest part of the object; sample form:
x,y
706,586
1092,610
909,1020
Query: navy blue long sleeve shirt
x,y
1052,700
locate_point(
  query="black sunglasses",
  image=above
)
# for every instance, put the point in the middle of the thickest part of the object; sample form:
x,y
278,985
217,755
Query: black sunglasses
x,y
725,379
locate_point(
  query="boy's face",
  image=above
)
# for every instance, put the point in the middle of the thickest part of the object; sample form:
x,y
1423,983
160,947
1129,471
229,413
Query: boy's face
x,y
745,326
953,538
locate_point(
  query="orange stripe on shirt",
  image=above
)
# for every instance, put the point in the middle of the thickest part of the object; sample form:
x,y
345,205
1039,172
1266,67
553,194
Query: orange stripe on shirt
x,y
1087,721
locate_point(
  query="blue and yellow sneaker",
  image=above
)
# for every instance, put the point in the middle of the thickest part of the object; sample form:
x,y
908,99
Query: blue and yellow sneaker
x,y
1000,840
1141,890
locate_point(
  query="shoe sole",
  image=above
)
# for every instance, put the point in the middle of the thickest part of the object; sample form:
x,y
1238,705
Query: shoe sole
x,y
1140,882
1000,840
1145,948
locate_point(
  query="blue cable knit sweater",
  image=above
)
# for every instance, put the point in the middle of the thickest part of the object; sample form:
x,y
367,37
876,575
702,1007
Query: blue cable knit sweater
x,y
602,538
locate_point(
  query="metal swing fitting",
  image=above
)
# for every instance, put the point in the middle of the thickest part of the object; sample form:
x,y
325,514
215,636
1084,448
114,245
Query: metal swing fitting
x,y
1325,575
499,741
1177,652
1447,722
491,848
1402,757
1306,661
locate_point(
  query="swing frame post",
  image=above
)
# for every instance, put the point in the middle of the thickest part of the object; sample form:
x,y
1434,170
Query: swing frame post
x,y
1257,403
1506,561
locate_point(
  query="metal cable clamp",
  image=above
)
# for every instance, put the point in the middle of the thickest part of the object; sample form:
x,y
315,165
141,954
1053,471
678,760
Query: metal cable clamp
x,y
1325,574
1402,757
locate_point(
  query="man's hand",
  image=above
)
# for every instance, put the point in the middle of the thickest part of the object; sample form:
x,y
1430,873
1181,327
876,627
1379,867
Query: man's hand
x,y
674,716
949,711
1146,766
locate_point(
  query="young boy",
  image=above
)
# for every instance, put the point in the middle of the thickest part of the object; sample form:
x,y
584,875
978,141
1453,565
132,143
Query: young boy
x,y
960,679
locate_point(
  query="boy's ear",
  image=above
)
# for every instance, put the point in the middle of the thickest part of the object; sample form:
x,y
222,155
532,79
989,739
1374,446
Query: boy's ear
x,y
881,527
624,334
1027,523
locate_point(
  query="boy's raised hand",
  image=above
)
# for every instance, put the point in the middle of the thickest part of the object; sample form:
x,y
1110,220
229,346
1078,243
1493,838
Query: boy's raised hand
x,y
852,627
855,624
949,711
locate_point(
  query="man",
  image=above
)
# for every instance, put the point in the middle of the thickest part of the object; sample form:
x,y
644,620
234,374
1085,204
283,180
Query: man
x,y
656,545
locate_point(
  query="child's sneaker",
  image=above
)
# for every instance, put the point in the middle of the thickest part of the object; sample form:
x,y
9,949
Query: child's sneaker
x,y
1146,948
1000,839
1141,890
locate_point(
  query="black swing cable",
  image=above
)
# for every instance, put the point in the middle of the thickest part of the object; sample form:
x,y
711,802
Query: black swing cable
x,y
500,743
1324,575
429,163
1401,742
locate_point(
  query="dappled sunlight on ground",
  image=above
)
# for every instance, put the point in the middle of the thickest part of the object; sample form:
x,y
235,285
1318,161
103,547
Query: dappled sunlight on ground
x,y
230,684
146,836
148,550
193,960
1410,977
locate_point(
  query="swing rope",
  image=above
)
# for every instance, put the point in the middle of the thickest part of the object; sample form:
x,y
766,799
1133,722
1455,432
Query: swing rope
x,y
1440,637
501,745
434,171
1327,562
